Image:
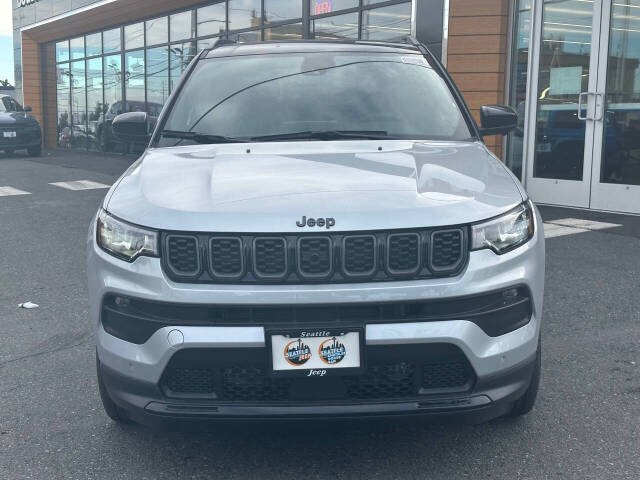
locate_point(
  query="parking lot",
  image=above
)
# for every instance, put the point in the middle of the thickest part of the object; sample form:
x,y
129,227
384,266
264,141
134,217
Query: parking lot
x,y
586,423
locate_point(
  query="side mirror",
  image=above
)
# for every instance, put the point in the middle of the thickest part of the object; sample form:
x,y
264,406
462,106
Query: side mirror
x,y
497,120
132,127
28,109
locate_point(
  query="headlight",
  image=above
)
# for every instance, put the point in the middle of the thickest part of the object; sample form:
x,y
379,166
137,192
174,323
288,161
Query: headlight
x,y
124,240
505,232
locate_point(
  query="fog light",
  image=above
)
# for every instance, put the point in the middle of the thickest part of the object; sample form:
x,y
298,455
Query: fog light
x,y
510,294
122,302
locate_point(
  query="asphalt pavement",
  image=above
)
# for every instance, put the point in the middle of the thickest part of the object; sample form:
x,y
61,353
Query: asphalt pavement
x,y
586,423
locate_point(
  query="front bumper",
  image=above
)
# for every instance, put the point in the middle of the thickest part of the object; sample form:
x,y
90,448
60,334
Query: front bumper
x,y
502,365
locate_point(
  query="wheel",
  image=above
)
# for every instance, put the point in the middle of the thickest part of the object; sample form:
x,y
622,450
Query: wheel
x,y
34,151
114,412
525,404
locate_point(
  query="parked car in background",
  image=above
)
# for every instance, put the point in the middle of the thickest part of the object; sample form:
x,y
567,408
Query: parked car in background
x,y
18,129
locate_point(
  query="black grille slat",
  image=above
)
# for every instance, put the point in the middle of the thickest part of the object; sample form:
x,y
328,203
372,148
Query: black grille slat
x,y
314,256
226,257
332,257
183,255
403,253
359,255
270,257
446,249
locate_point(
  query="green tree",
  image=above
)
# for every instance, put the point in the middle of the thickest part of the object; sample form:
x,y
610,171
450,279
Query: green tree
x,y
5,83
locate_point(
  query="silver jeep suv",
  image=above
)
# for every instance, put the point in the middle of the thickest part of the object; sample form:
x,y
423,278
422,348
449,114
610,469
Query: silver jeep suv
x,y
316,229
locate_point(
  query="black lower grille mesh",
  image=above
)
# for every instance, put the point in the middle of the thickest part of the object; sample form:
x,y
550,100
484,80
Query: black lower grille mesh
x,y
390,374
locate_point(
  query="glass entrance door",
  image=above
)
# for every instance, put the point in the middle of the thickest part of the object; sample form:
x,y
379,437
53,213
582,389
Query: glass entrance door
x,y
584,119
616,164
562,108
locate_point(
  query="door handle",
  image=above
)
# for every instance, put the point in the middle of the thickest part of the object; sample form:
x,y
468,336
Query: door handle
x,y
580,97
598,106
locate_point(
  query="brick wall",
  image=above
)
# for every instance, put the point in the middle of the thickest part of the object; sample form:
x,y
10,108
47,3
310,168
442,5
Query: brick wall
x,y
476,59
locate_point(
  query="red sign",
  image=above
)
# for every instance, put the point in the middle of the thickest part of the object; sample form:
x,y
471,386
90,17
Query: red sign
x,y
322,6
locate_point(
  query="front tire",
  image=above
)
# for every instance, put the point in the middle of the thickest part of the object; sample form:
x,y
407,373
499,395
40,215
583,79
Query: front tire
x,y
113,411
34,151
525,404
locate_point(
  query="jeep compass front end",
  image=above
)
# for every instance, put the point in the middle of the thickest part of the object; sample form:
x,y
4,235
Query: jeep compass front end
x,y
316,229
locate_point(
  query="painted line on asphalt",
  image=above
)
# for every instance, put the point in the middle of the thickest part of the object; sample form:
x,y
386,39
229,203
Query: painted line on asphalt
x,y
571,226
9,191
80,185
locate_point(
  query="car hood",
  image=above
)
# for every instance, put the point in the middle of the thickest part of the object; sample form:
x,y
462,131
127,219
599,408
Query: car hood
x,y
16,118
269,187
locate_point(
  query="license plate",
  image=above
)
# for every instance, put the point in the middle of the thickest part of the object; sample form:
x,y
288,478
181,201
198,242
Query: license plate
x,y
9,134
316,352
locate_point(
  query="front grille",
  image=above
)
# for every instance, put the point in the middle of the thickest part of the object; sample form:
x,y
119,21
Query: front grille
x,y
226,257
392,372
446,249
270,257
327,258
183,255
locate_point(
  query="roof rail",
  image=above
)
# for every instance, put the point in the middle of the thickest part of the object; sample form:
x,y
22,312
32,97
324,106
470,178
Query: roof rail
x,y
221,42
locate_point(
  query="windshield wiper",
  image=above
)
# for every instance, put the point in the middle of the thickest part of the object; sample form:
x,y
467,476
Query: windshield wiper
x,y
200,137
326,135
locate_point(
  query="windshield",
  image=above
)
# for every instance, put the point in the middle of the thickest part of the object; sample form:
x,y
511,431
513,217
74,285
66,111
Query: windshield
x,y
8,104
317,96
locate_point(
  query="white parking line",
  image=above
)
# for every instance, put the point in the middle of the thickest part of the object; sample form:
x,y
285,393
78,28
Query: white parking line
x,y
80,185
570,226
8,191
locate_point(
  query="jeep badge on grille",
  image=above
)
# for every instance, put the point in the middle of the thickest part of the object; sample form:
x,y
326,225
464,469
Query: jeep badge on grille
x,y
316,222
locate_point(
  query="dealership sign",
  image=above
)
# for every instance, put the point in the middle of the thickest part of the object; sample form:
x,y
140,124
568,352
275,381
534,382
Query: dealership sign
x,y
24,3
322,6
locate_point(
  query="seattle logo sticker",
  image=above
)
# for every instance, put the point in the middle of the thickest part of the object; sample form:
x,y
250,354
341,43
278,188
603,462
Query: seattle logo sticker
x,y
297,353
332,351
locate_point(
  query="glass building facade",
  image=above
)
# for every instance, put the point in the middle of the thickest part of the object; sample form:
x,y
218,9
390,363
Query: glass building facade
x,y
134,67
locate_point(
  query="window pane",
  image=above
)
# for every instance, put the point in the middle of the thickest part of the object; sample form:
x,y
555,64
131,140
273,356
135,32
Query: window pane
x,y
245,37
284,32
134,81
212,19
157,30
62,51
94,99
318,7
340,26
206,43
179,57
112,101
518,84
94,44
244,14
63,76
77,47
78,106
387,23
182,25
157,80
111,41
279,10
134,36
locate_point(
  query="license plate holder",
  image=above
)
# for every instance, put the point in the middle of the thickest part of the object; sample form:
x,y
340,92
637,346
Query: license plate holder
x,y
327,357
9,134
